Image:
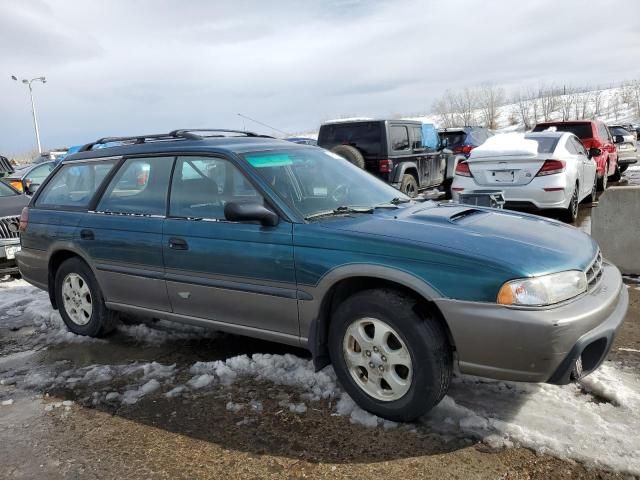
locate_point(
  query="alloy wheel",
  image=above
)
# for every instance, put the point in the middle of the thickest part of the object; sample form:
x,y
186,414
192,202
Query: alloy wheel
x,y
77,300
377,359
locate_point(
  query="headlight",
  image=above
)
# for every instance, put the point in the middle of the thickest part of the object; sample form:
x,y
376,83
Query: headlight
x,y
544,290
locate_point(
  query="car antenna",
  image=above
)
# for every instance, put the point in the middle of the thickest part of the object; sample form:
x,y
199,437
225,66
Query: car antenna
x,y
264,124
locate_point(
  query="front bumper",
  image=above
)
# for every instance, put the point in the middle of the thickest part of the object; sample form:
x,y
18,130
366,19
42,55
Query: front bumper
x,y
538,345
8,265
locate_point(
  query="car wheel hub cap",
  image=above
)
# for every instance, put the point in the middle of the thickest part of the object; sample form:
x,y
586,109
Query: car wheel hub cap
x,y
76,298
377,359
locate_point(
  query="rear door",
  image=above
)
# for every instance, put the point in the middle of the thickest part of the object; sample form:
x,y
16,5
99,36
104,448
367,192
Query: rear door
x,y
123,236
230,272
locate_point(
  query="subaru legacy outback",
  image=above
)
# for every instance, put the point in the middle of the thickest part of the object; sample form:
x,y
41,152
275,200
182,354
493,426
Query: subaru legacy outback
x,y
291,243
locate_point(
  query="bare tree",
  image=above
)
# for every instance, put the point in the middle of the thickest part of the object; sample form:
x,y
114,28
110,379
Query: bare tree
x,y
548,101
566,102
597,103
466,103
583,100
615,102
490,98
445,109
523,106
634,94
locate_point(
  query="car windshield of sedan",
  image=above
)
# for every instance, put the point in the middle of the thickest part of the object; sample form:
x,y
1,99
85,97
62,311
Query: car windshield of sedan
x,y
313,181
6,191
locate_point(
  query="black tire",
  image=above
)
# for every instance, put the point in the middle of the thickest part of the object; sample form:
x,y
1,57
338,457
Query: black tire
x,y
593,196
351,154
102,320
409,185
570,215
623,168
616,174
425,341
603,181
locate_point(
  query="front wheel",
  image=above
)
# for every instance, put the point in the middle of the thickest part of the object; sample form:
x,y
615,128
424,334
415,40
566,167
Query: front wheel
x,y
394,362
80,300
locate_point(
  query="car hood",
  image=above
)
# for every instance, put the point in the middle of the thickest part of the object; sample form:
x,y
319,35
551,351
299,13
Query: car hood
x,y
12,206
527,244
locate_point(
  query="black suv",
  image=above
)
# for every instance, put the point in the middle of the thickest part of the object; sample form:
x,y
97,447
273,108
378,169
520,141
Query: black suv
x,y
392,150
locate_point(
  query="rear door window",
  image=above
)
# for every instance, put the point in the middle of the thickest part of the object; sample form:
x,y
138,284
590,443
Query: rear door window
x,y
399,138
74,185
140,187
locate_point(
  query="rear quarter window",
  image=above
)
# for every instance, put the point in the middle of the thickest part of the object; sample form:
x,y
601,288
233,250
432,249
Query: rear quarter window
x,y
365,136
74,185
399,136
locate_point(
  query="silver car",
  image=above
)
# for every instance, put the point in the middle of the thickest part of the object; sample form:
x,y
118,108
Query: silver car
x,y
558,175
626,144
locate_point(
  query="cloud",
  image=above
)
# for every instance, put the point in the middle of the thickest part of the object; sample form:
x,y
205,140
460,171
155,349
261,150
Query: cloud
x,y
122,67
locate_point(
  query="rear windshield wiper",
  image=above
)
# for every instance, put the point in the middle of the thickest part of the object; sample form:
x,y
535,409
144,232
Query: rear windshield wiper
x,y
340,211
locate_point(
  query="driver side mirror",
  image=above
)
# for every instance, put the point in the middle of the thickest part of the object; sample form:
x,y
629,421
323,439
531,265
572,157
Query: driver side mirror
x,y
594,152
618,139
250,212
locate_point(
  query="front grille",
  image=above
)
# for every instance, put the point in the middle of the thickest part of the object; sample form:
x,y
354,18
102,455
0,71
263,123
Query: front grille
x,y
9,227
594,271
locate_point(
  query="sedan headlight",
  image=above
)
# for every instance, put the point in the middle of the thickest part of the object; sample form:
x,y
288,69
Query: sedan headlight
x,y
543,290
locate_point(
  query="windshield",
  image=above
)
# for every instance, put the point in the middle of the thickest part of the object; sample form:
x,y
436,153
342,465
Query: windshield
x,y
6,191
619,131
313,180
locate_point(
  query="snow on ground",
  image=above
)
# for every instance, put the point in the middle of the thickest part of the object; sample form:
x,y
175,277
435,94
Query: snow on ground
x,y
596,422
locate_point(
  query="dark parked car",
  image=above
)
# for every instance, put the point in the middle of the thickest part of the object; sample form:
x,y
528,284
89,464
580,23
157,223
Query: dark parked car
x,y
292,243
461,140
392,150
28,179
5,167
11,204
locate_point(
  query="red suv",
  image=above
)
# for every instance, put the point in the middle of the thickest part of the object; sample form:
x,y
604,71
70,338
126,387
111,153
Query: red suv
x,y
594,135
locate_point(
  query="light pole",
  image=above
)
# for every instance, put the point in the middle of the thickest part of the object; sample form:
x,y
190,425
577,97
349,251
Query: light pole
x,y
33,105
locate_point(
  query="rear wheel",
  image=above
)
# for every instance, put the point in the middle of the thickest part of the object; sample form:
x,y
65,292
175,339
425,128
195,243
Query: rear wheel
x,y
392,361
80,300
570,215
351,154
602,181
593,196
616,174
409,185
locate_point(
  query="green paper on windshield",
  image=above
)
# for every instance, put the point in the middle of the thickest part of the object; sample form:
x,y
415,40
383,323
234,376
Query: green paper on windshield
x,y
272,160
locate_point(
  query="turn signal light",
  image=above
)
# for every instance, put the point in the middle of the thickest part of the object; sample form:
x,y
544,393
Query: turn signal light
x,y
24,219
17,184
385,166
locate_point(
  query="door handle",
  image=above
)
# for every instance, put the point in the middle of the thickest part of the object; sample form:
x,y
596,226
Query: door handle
x,y
178,244
86,234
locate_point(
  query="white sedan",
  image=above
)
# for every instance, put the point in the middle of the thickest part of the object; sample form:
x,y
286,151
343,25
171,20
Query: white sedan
x,y
535,171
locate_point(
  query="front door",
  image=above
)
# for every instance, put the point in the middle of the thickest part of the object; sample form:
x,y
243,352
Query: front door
x,y
231,272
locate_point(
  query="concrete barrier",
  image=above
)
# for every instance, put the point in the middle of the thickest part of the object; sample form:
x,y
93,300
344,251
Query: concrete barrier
x,y
615,225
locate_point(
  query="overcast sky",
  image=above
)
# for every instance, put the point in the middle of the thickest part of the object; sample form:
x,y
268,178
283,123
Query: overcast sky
x,y
128,67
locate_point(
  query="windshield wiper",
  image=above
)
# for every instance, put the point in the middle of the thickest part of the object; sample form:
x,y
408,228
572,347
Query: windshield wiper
x,y
340,211
393,203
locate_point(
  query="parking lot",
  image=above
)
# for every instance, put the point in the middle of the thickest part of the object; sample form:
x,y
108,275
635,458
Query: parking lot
x,y
165,401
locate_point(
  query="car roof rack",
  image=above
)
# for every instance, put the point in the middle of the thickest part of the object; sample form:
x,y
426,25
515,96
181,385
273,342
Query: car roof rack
x,y
180,134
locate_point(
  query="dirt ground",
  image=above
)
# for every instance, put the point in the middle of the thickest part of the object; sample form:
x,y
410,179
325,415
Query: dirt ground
x,y
60,433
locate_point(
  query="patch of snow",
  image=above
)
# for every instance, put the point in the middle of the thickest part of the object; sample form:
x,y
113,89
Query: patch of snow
x,y
6,403
506,144
201,381
131,397
176,391
297,407
234,407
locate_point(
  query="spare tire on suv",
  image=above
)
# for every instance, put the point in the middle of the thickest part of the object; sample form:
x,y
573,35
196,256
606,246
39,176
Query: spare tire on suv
x,y
352,154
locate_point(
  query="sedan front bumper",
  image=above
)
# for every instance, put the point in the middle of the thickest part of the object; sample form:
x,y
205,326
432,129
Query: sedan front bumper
x,y
538,344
